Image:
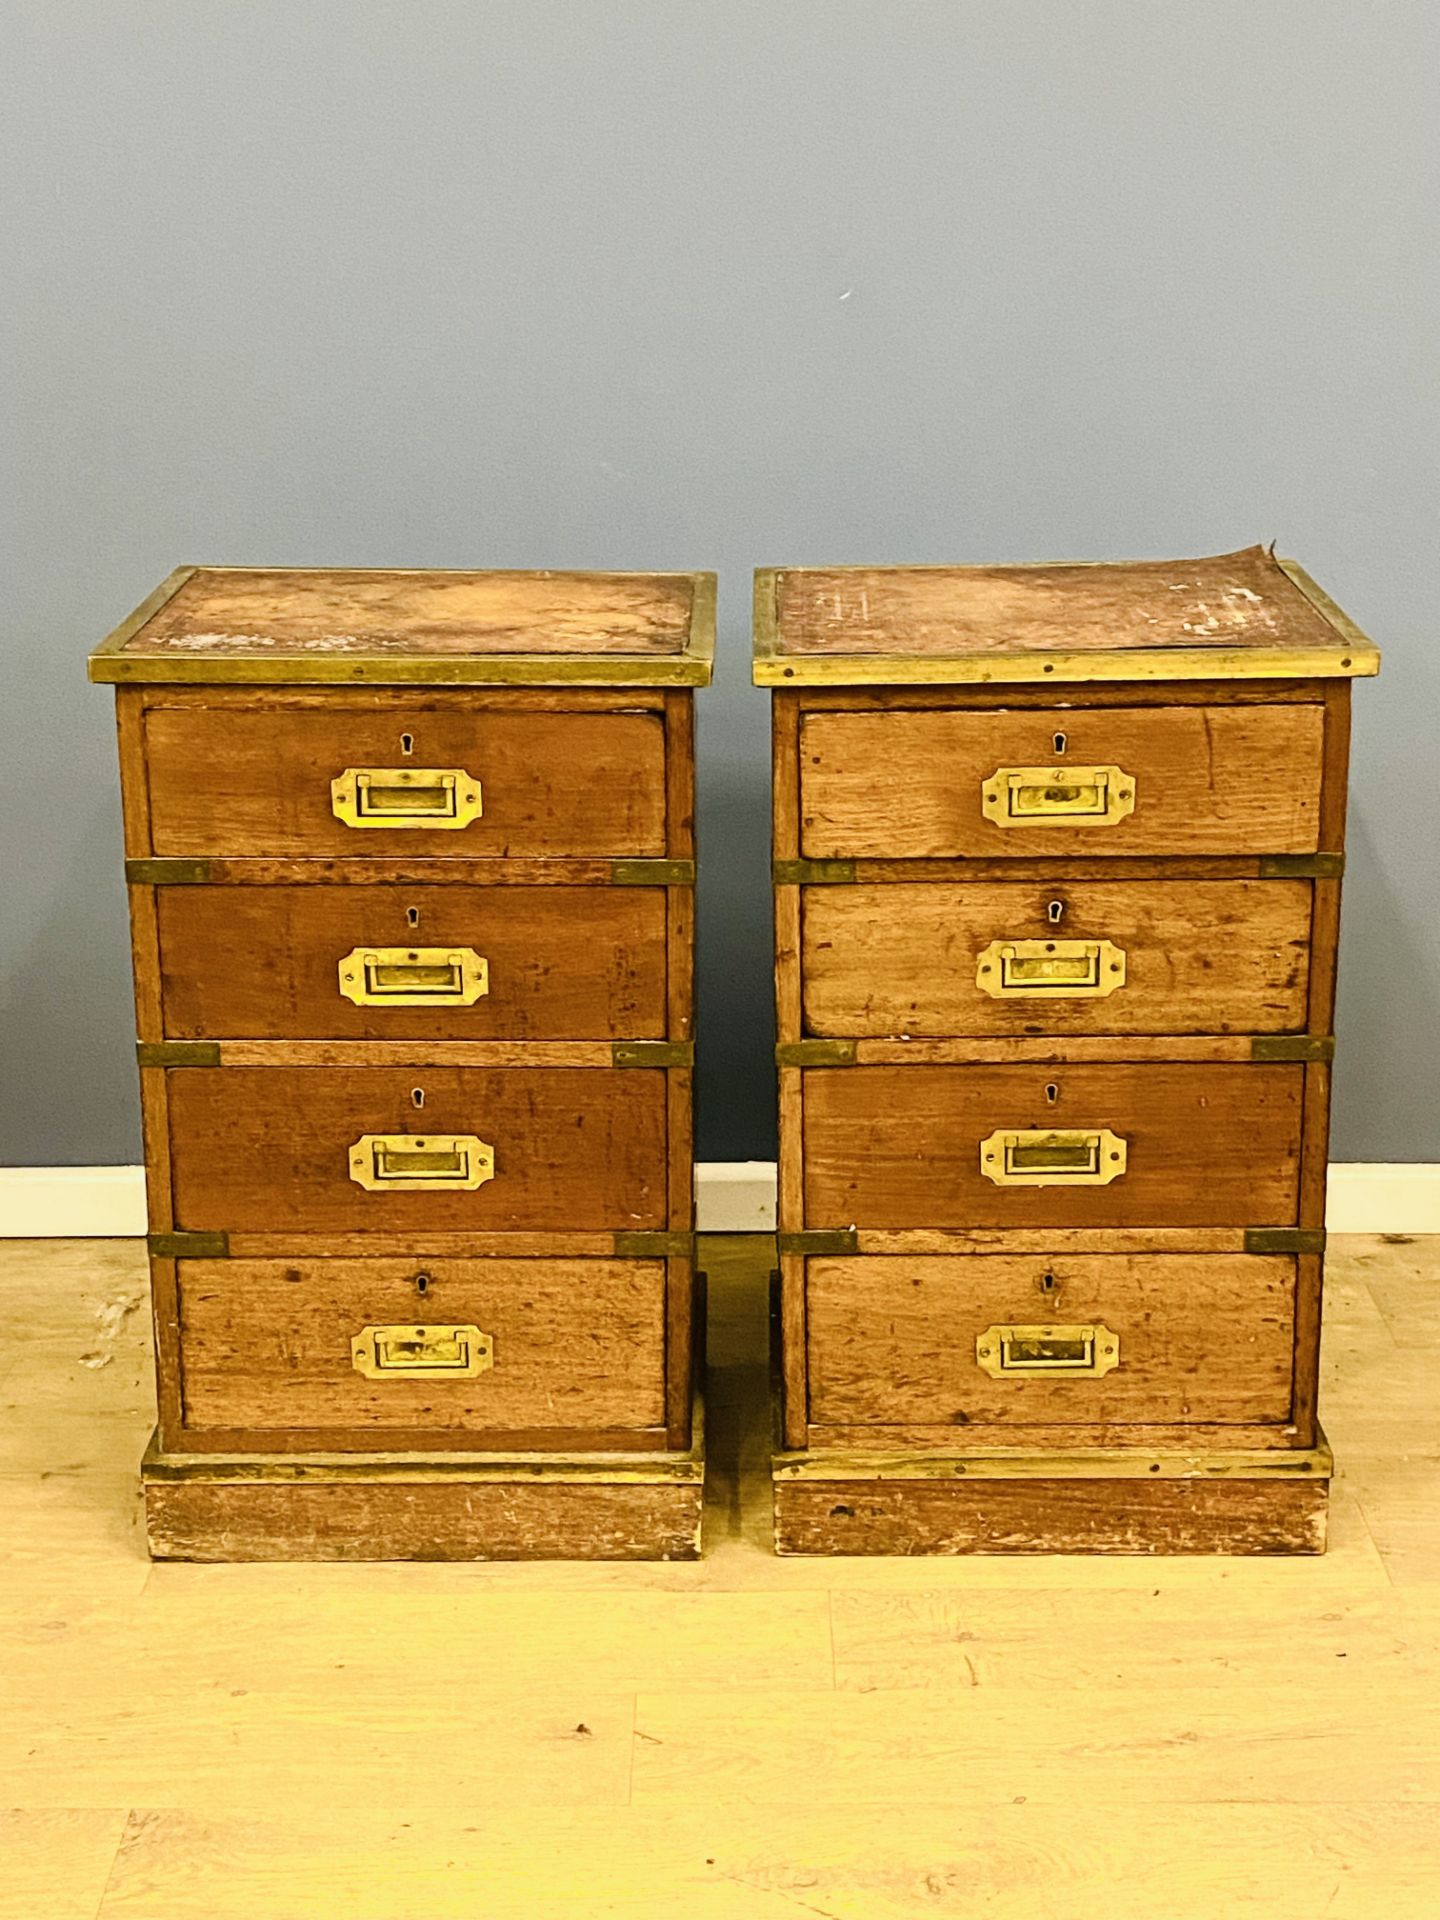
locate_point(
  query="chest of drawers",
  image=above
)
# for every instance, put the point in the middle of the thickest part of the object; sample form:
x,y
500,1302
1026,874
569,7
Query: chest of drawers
x,y
1057,863
411,866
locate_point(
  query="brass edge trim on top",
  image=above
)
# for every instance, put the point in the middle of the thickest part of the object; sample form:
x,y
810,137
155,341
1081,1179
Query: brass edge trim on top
x,y
167,873
652,1053
654,1246
1058,1463
683,1465
652,873
1284,1240
819,1241
812,873
701,647
115,640
1352,635
1153,664
188,1246
691,666
764,624
1292,1046
178,1053
401,670
815,1053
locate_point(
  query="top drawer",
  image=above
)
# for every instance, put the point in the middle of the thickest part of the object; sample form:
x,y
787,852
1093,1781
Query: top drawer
x,y
940,783
257,777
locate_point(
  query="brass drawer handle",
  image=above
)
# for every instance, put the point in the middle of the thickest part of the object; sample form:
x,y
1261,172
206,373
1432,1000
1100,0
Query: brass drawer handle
x,y
1050,969
1057,796
1033,1157
405,797
1004,1352
393,1353
403,1162
414,976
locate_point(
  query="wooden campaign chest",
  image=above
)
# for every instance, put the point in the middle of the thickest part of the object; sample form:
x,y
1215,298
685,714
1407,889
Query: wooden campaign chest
x,y
411,869
1057,882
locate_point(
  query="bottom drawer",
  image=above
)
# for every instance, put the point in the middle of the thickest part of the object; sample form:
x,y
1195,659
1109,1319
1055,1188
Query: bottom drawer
x,y
999,1339
357,1354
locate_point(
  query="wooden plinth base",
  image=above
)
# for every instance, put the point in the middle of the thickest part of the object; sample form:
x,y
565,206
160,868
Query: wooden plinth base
x,y
477,1506
1081,1501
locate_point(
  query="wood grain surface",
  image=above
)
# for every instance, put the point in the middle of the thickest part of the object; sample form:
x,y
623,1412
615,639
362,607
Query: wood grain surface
x,y
900,1146
519,1520
226,611
1119,1737
1229,599
564,963
1157,1517
907,784
266,1344
1202,1337
1201,957
267,1147
243,776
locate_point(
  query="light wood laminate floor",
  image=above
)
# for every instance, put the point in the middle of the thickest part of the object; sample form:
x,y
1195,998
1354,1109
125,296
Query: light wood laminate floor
x,y
743,1739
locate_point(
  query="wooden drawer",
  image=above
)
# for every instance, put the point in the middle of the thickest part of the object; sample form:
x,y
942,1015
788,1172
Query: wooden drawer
x,y
561,963
911,784
251,778
574,1149
1203,1338
267,1347
1207,956
898,1147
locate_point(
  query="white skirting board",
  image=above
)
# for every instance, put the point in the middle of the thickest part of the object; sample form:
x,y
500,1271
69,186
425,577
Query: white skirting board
x,y
731,1196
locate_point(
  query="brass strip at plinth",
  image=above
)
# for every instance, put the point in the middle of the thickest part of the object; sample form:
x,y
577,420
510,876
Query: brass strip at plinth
x,y
1058,1462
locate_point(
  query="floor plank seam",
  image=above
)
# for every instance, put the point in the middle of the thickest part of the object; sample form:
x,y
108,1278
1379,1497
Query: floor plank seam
x,y
124,1834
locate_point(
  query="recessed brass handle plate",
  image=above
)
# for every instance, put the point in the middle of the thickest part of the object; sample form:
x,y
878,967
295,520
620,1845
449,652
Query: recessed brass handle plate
x,y
407,1353
410,1163
1034,1157
1050,969
414,976
394,797
1004,1352
1057,796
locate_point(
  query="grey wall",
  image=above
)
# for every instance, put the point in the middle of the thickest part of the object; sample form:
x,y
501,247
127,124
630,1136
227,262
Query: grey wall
x,y
675,285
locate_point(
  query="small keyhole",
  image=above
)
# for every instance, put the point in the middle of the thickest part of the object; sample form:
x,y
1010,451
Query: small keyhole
x,y
407,743
1047,1283
417,1096
1060,743
422,1283
1055,912
412,916
1052,1093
